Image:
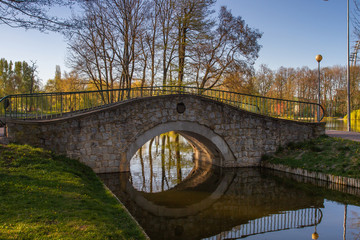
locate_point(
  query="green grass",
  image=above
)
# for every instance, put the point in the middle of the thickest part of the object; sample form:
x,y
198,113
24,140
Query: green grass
x,y
45,196
334,156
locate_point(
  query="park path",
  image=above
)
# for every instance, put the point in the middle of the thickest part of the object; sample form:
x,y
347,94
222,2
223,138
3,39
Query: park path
x,y
355,136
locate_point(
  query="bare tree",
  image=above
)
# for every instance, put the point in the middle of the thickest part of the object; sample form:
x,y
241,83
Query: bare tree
x,y
143,58
124,40
283,79
242,82
91,49
356,18
105,49
34,14
232,46
126,18
168,35
151,37
192,20
158,41
264,78
306,84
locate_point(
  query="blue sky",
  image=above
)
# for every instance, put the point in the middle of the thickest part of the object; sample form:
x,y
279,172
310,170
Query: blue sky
x,y
294,32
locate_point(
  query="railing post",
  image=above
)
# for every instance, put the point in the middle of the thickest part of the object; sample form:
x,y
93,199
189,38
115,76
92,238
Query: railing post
x,y
61,104
41,113
26,106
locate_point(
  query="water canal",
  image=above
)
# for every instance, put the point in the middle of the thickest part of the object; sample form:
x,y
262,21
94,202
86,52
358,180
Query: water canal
x,y
174,196
340,124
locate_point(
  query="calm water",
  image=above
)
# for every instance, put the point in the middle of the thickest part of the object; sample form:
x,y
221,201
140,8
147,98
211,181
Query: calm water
x,y
341,125
172,196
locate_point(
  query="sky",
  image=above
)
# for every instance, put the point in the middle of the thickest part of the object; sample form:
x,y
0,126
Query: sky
x,y
294,32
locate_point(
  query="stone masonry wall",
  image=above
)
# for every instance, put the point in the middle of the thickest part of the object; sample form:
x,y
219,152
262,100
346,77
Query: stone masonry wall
x,y
101,138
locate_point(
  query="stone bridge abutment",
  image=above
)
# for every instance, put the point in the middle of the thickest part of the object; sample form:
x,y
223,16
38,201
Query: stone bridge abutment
x,y
107,138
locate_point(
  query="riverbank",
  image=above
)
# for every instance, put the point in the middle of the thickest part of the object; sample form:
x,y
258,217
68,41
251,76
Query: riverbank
x,y
46,196
327,158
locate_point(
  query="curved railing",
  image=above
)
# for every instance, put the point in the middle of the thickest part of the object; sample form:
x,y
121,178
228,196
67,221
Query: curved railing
x,y
57,105
302,218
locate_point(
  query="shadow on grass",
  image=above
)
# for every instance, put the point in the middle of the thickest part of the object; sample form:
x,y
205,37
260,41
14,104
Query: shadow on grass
x,y
47,196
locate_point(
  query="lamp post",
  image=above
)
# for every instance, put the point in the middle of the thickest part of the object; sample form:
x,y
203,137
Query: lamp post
x,y
345,218
318,59
348,68
315,235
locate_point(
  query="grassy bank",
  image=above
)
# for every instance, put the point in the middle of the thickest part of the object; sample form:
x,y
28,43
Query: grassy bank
x,y
44,196
334,156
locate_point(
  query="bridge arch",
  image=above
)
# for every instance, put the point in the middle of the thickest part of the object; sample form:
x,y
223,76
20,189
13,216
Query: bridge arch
x,y
201,137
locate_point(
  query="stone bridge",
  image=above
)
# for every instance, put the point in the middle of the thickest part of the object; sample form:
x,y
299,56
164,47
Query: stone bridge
x,y
107,138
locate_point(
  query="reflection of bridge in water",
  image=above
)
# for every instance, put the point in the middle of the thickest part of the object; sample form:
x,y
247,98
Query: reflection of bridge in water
x,y
287,220
229,204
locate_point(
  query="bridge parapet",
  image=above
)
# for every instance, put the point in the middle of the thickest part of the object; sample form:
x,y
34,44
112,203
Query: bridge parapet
x,y
58,105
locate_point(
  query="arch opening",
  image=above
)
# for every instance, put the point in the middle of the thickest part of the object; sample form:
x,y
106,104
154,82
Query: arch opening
x,y
208,146
162,163
170,167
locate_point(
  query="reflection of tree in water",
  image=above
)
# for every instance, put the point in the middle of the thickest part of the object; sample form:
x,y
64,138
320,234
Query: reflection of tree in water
x,y
161,163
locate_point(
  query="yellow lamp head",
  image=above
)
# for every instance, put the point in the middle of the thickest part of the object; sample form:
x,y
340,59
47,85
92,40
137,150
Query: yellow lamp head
x,y
318,58
315,235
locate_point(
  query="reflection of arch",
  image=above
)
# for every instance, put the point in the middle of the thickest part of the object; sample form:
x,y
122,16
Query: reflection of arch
x,y
199,135
198,175
189,210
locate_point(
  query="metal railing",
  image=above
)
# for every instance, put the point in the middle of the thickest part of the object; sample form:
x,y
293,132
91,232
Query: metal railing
x,y
302,218
57,105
